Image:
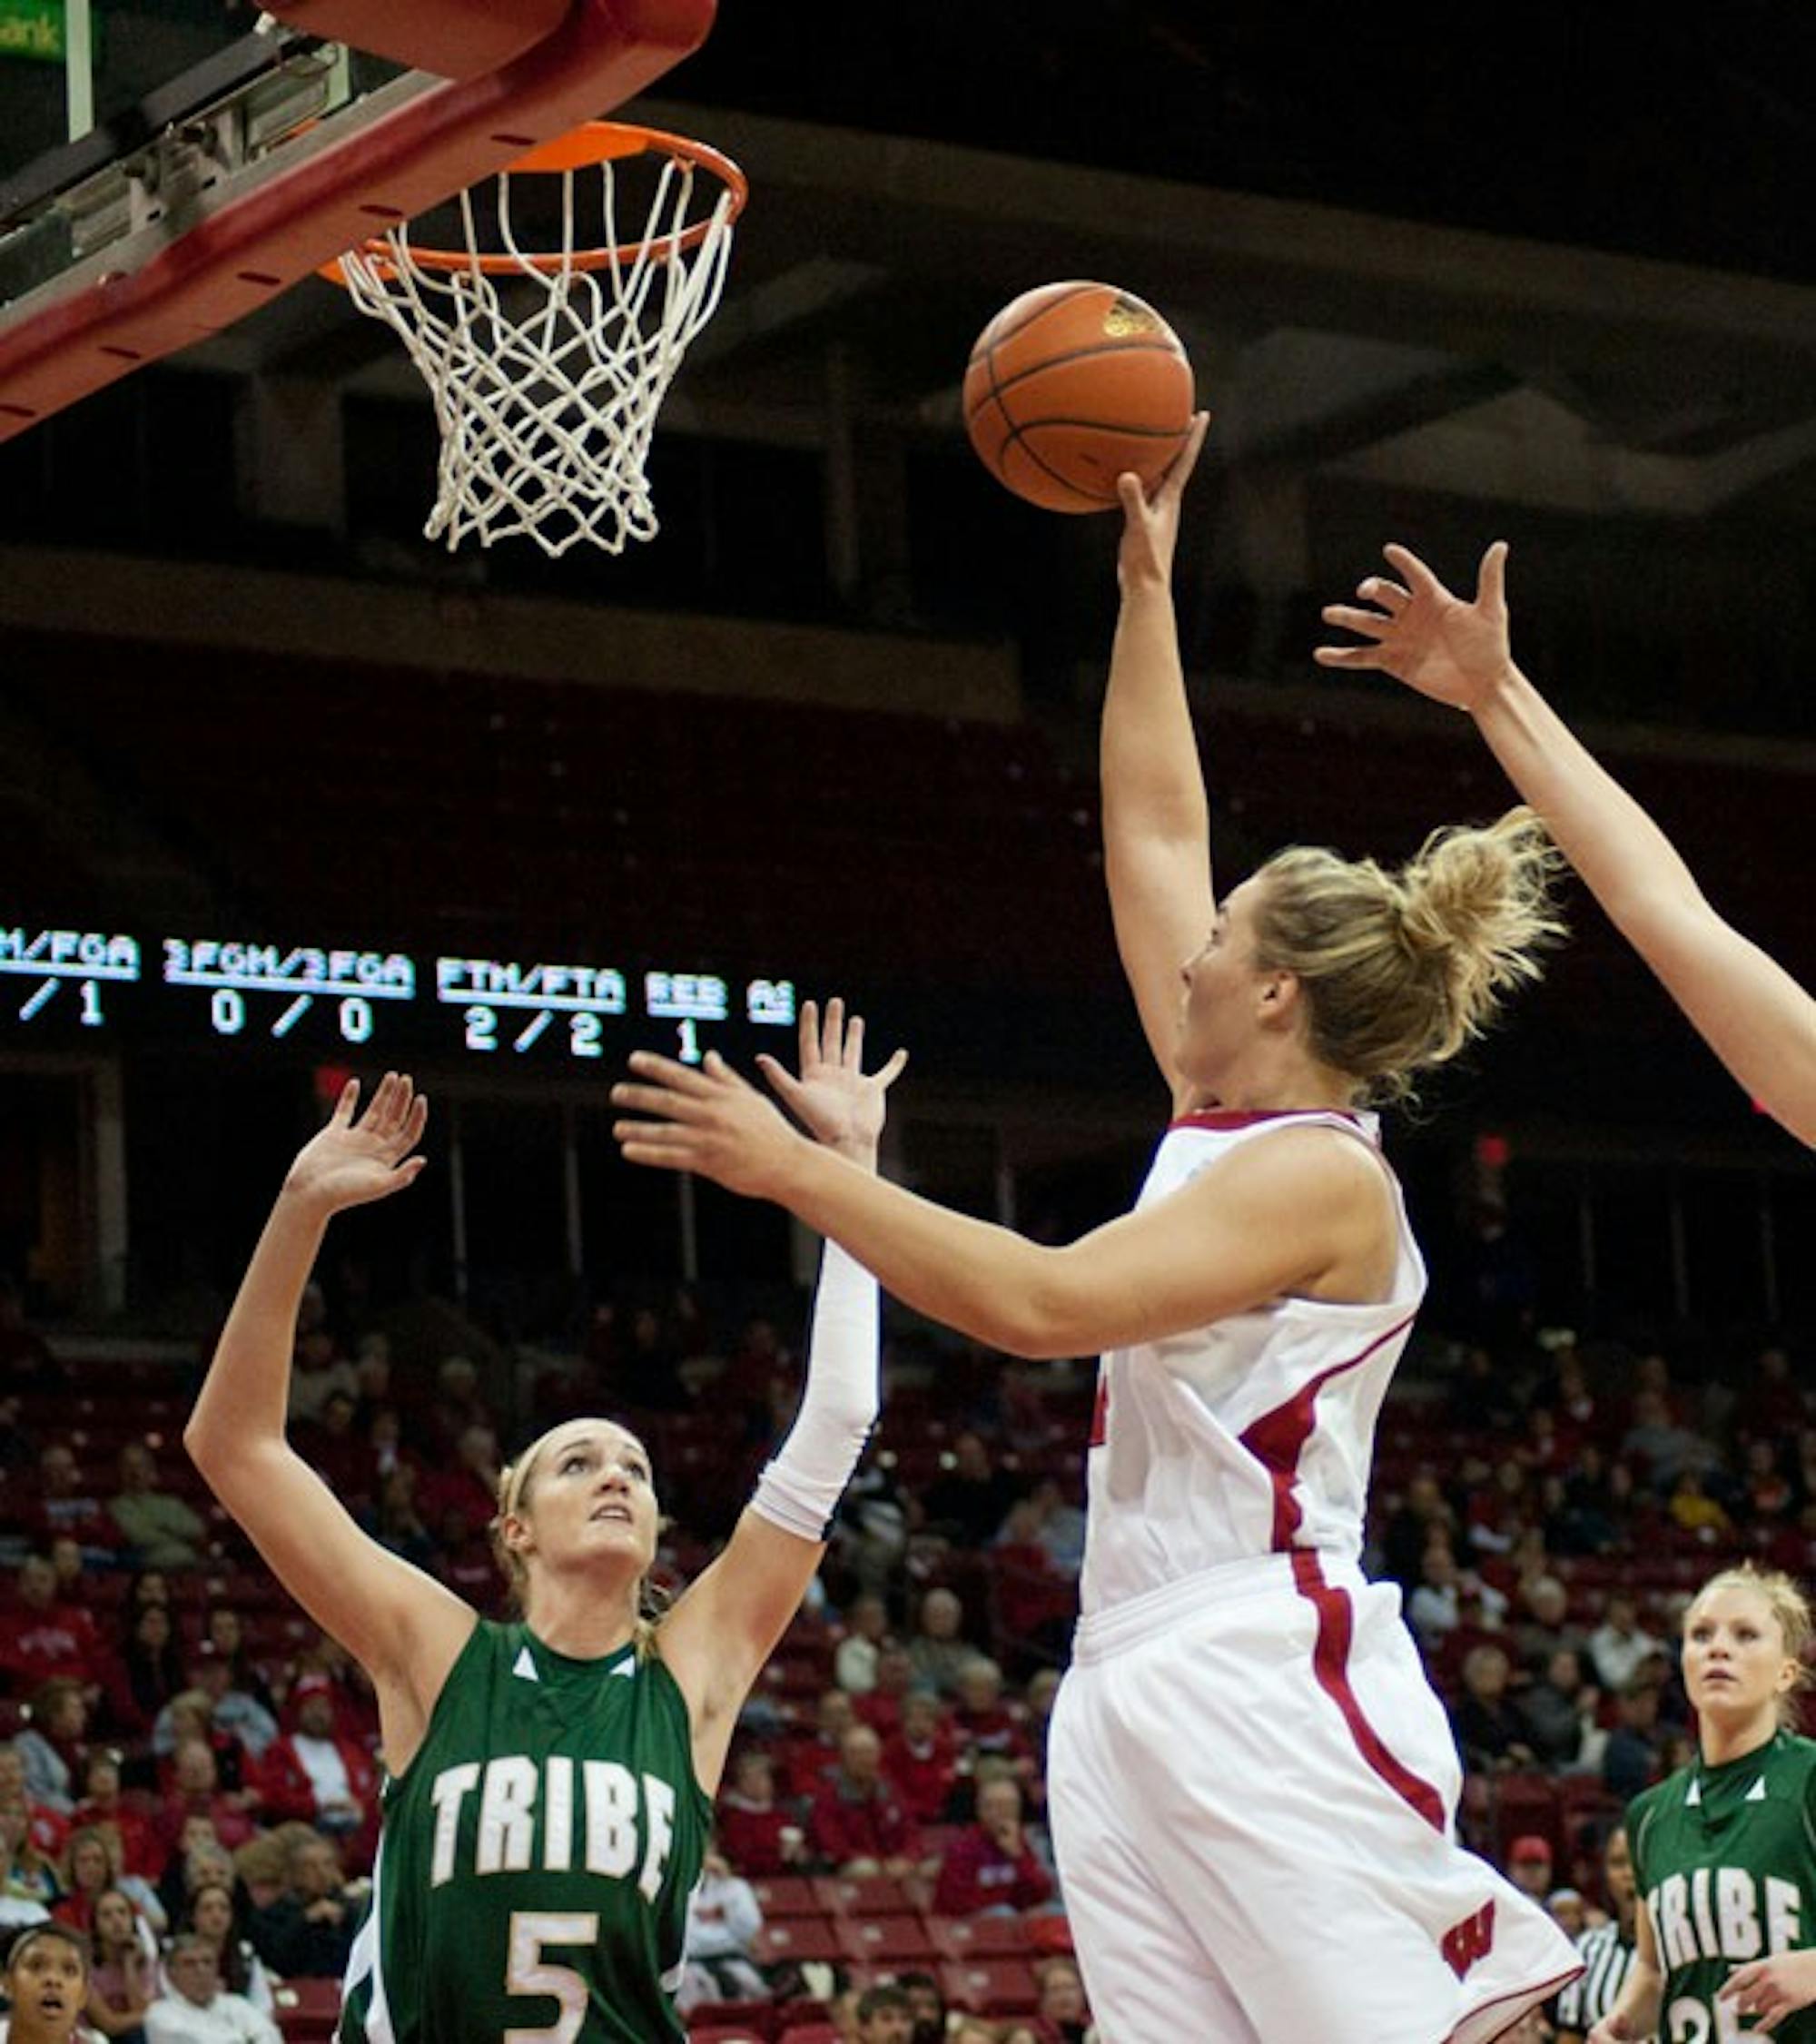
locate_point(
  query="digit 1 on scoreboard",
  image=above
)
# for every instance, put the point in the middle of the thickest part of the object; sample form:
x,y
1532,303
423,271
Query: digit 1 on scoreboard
x,y
690,1041
91,1017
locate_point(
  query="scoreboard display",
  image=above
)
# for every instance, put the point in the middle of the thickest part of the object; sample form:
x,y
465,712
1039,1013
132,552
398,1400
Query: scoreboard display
x,y
67,988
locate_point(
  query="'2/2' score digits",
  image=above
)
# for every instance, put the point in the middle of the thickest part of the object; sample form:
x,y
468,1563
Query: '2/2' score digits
x,y
505,1003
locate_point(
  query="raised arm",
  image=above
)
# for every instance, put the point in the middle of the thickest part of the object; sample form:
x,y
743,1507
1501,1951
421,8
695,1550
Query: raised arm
x,y
1303,1212
1753,1015
405,1629
722,1631
1156,818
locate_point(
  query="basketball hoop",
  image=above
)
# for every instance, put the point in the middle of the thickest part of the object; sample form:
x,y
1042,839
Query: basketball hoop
x,y
547,370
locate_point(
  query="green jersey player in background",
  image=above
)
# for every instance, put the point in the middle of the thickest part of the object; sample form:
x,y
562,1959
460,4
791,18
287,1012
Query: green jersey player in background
x,y
1724,1849
549,1783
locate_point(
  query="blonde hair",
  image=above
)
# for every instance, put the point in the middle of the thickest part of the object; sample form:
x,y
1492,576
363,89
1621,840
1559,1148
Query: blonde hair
x,y
513,1494
1401,969
1790,1608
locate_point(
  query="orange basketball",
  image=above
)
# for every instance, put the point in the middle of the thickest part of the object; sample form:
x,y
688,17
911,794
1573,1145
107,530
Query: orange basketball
x,y
1069,386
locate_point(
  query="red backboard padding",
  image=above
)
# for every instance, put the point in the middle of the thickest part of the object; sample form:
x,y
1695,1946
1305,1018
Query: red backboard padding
x,y
324,193
453,38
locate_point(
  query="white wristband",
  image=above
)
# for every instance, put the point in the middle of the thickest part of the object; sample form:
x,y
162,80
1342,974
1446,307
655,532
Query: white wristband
x,y
800,1489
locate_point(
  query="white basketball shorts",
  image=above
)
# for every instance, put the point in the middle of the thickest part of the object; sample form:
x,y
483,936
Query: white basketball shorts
x,y
1252,1790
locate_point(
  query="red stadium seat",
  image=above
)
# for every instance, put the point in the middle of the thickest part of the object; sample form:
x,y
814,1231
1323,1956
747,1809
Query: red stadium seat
x,y
308,2010
991,1987
810,2034
797,1938
872,1895
886,1941
979,1937
734,2033
787,1895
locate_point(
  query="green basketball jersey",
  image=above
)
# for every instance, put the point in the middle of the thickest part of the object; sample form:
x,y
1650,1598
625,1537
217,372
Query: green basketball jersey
x,y
1725,1858
536,1857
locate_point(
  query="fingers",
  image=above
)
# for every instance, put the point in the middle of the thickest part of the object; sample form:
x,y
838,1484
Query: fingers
x,y
1134,499
670,1074
1389,596
1418,578
782,1080
1349,655
1491,581
1371,624
832,1037
854,1044
661,1101
808,1047
1179,473
348,1104
893,1070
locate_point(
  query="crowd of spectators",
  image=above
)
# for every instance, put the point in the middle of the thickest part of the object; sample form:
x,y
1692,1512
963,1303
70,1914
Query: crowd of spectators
x,y
189,1771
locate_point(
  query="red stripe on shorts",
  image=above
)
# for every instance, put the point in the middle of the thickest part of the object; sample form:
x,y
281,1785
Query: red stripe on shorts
x,y
1330,1664
1277,1440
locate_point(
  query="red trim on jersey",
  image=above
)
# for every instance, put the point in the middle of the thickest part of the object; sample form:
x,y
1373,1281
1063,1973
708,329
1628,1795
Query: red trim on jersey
x,y
1528,1997
1330,1665
1278,1439
1246,1118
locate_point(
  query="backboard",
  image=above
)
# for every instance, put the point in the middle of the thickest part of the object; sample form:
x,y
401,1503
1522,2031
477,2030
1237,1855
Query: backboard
x,y
219,154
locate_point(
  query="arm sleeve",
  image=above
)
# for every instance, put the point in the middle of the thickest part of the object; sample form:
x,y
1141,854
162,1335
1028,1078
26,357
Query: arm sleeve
x,y
801,1488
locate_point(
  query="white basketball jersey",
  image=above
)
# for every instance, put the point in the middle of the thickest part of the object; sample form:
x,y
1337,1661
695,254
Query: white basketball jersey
x,y
1249,1437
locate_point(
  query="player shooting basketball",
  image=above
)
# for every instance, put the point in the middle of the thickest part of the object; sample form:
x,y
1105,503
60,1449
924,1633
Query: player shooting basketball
x,y
1252,1786
550,1781
1752,1015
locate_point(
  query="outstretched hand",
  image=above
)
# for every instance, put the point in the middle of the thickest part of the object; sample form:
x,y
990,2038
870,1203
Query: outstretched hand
x,y
1770,1990
1150,521
703,1118
1454,651
838,1103
353,1162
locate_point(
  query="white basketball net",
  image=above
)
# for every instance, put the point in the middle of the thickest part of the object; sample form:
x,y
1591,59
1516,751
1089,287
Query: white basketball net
x,y
546,378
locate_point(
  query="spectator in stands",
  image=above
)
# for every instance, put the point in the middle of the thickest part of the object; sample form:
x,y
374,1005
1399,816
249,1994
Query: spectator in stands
x,y
983,1725
1407,1536
883,2016
214,1912
189,1715
41,1636
1543,1629
1632,1758
882,1708
969,2029
223,1630
860,1825
46,1984
937,1647
51,1745
22,1899
1482,1400
1489,1730
124,1983
317,1775
339,1453
872,1533
1064,2016
991,1866
1698,1516
235,1712
1769,1492
1042,1688
195,1791
309,1930
66,1507
1529,1865
922,1758
759,1835
103,1805
198,1858
318,1370
94,1865
147,1674
724,1917
813,1763
1434,1608
1772,1407
471,1486
1620,1645
926,2007
1562,1712
394,1519
1663,1446
197,2008
162,1531
866,1629
28,1872
967,1503
74,1585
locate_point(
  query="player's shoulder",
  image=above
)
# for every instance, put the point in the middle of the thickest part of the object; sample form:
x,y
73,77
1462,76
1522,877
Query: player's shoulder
x,y
1650,1805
